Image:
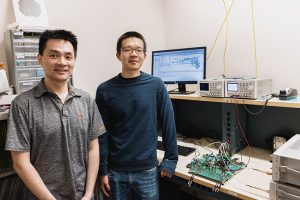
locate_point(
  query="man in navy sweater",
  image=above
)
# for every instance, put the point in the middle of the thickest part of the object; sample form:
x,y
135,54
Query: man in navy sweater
x,y
132,104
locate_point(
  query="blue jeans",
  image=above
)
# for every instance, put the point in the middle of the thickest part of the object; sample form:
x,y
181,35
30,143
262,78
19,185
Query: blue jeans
x,y
137,185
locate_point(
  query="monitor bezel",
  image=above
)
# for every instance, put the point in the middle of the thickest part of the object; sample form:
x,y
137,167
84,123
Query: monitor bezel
x,y
181,49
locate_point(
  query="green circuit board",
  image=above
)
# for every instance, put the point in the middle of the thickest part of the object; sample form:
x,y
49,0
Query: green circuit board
x,y
219,168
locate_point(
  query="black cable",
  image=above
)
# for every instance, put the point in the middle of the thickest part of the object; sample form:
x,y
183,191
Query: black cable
x,y
262,109
174,90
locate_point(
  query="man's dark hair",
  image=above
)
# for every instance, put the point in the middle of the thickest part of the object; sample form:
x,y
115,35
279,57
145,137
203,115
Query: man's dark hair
x,y
128,35
57,34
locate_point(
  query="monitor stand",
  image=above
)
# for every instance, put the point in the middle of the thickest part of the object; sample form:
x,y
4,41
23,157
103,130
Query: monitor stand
x,y
181,90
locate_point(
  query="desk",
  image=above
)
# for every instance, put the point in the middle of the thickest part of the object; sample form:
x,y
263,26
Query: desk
x,y
249,183
204,113
5,100
275,102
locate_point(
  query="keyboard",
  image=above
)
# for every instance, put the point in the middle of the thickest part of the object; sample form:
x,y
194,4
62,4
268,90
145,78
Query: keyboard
x,y
182,150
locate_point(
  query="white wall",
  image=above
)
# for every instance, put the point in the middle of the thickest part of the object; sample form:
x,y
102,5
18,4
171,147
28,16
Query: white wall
x,y
277,26
177,24
98,24
6,17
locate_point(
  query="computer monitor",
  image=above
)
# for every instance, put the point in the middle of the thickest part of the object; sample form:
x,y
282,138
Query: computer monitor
x,y
181,66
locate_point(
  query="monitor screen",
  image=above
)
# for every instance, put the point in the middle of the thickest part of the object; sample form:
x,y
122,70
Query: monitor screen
x,y
182,66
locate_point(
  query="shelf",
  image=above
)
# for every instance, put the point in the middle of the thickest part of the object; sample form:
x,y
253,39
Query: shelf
x,y
21,50
275,102
6,172
29,67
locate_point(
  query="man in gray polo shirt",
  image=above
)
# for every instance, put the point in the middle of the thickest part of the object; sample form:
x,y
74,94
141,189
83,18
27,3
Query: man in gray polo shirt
x,y
53,128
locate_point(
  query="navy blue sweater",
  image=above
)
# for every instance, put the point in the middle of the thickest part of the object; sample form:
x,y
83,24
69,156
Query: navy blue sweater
x,y
131,110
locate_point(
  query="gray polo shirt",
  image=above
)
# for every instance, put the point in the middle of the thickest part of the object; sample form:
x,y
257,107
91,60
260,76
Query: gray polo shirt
x,y
57,135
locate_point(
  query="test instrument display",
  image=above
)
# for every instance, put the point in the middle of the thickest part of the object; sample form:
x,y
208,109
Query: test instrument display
x,y
212,87
248,88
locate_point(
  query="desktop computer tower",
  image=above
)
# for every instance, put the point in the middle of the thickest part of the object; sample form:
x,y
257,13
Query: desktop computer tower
x,y
233,120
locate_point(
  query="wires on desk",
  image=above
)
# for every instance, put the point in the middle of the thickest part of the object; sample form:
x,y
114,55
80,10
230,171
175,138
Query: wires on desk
x,y
238,184
237,123
218,167
266,98
266,172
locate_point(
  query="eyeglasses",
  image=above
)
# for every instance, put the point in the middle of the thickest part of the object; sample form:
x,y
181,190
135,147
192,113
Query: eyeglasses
x,y
128,50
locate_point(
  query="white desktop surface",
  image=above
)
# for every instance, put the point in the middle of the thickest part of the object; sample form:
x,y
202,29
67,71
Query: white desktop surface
x,y
274,102
5,100
249,183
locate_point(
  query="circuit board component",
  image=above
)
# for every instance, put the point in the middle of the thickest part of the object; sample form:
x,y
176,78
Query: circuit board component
x,y
219,167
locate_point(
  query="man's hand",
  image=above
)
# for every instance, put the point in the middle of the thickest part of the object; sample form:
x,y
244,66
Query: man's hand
x,y
165,173
26,171
104,184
